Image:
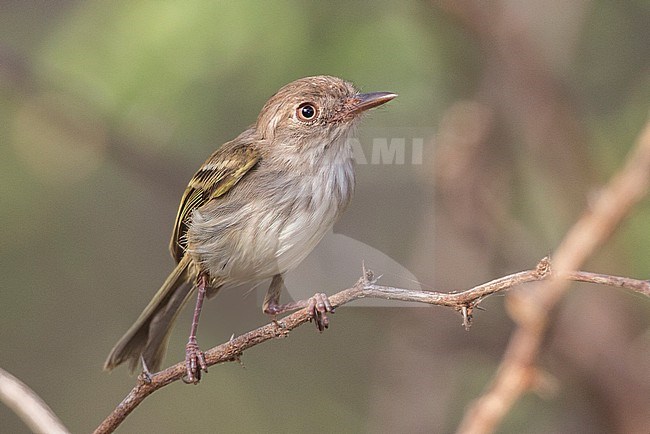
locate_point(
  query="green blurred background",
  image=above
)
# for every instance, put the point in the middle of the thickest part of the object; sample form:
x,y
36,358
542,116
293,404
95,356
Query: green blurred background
x,y
107,108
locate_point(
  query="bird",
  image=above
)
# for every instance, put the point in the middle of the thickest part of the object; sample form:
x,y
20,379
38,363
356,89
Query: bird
x,y
254,210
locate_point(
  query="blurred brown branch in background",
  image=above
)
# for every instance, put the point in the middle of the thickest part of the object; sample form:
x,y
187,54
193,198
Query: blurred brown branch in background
x,y
366,287
28,405
518,372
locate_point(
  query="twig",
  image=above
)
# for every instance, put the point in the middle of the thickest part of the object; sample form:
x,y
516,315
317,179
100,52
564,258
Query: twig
x,y
28,406
366,287
517,373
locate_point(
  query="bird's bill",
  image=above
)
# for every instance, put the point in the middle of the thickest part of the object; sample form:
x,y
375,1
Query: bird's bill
x,y
366,101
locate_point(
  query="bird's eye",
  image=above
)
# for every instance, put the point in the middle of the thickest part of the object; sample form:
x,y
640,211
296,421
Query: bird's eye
x,y
306,112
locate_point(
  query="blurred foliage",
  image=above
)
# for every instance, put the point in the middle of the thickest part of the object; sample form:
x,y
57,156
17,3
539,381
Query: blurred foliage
x,y
106,108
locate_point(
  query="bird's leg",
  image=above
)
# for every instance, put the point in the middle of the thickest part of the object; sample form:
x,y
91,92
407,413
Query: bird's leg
x,y
194,357
319,305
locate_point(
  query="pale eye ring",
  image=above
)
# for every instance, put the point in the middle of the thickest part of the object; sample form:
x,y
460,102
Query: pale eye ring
x,y
307,112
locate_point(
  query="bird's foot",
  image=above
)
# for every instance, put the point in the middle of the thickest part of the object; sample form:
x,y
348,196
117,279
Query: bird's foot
x,y
319,306
194,362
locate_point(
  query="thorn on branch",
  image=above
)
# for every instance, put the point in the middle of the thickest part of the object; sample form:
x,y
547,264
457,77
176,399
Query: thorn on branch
x,y
543,268
467,316
237,358
368,277
144,378
145,375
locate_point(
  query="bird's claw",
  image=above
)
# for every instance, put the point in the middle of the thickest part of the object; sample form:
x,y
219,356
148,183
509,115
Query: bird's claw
x,y
319,305
194,363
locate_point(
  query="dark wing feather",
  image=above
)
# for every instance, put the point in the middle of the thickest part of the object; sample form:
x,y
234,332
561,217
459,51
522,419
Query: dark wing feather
x,y
216,177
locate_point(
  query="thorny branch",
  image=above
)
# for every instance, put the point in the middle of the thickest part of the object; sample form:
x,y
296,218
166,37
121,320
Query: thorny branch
x,y
366,287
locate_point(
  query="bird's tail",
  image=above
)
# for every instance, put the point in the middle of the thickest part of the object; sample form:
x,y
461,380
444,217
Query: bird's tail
x,y
148,336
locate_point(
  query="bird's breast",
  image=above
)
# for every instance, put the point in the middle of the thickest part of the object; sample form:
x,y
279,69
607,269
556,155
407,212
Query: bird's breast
x,y
271,221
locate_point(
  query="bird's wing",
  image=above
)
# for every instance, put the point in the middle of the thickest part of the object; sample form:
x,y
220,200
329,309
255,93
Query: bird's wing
x,y
225,167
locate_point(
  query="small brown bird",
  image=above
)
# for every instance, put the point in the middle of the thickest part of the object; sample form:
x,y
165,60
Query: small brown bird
x,y
254,210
